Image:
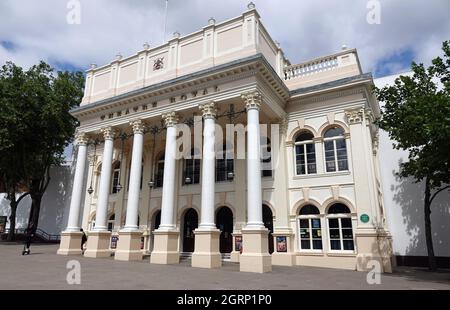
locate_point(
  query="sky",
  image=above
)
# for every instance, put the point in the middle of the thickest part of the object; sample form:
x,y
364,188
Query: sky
x,y
410,30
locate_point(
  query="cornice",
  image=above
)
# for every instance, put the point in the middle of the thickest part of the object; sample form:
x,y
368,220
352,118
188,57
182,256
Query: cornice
x,y
252,65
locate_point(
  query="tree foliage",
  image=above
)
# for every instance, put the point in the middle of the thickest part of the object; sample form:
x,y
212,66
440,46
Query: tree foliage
x,y
35,126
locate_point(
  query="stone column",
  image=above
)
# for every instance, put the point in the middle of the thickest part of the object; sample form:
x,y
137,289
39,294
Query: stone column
x,y
206,253
165,250
129,245
71,237
255,256
99,238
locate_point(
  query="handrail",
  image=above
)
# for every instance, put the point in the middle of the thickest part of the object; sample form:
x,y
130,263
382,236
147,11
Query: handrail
x,y
39,232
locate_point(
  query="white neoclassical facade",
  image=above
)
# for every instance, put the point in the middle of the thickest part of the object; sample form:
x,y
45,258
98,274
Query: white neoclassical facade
x,y
214,146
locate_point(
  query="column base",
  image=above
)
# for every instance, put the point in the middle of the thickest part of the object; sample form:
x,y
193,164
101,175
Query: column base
x,y
129,246
237,244
70,243
255,256
98,244
206,253
283,259
165,249
234,256
283,254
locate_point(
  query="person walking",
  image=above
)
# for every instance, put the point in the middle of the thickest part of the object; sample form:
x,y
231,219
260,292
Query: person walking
x,y
29,234
83,240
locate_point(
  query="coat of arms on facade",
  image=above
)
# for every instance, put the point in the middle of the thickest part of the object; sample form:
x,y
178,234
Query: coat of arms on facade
x,y
158,64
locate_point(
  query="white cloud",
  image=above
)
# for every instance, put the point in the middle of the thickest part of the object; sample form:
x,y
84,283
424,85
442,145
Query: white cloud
x,y
305,29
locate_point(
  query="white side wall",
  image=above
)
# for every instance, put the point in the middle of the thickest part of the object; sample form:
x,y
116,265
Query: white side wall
x,y
55,203
404,203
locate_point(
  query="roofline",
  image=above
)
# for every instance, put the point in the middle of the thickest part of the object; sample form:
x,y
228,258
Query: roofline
x,y
197,74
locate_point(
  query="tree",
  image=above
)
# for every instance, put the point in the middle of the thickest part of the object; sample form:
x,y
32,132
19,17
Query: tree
x,y
416,116
39,126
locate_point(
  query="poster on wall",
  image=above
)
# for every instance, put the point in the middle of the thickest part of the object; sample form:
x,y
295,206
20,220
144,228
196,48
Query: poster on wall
x,y
281,244
238,243
114,240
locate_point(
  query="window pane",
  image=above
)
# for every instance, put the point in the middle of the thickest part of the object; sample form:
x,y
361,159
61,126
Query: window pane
x,y
304,223
347,233
304,136
311,158
334,233
315,223
304,233
338,208
309,209
305,245
329,156
335,244
346,222
160,174
317,244
334,132
197,171
348,245
317,233
333,223
220,170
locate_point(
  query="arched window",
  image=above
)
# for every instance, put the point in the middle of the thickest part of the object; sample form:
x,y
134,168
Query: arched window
x,y
115,178
340,228
111,221
159,175
266,153
335,150
310,228
305,154
225,164
192,168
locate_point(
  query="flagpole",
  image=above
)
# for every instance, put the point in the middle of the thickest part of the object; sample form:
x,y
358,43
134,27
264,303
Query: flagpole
x,y
165,22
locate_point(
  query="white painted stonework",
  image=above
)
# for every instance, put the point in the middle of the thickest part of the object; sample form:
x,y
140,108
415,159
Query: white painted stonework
x,y
320,202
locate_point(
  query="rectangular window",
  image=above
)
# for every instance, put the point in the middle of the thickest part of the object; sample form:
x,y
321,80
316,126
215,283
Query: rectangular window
x,y
115,181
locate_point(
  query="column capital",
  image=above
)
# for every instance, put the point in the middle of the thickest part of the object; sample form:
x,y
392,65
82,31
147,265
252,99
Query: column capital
x,y
170,118
138,126
252,100
108,133
354,116
81,138
209,110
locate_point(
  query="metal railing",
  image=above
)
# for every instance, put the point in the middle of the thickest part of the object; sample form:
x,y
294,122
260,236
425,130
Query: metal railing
x,y
39,232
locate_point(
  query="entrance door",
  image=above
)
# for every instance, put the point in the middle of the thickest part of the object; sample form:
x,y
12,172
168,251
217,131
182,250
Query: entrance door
x,y
190,224
268,223
224,220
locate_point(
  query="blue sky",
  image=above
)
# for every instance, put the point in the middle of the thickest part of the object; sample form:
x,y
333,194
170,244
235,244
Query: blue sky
x,y
409,30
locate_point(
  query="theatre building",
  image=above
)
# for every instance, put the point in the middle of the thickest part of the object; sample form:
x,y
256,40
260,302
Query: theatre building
x,y
213,147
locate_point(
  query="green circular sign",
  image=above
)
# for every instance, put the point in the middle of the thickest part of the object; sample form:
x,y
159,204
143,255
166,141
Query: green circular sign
x,y
364,218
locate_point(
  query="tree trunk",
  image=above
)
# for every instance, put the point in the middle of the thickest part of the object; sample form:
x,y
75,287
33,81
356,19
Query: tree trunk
x,y
429,236
12,219
36,199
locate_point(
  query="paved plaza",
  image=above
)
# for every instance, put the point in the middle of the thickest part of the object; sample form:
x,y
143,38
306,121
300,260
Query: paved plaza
x,y
43,269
